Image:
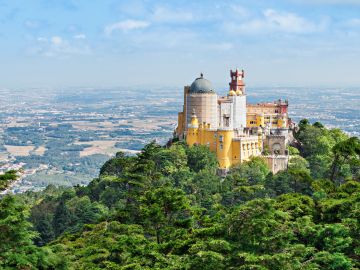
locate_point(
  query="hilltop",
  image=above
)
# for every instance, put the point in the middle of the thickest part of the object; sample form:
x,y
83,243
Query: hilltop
x,y
166,208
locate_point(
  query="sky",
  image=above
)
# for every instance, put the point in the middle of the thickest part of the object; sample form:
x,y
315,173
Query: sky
x,y
96,43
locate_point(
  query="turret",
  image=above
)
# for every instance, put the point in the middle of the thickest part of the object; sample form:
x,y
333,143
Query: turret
x,y
237,84
193,130
224,150
238,97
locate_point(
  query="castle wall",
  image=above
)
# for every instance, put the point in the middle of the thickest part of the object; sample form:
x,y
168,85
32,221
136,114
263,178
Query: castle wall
x,y
225,116
205,106
244,148
249,147
180,129
185,113
277,163
275,114
277,107
239,111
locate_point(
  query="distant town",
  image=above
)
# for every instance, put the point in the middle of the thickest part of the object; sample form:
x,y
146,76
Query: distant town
x,y
62,138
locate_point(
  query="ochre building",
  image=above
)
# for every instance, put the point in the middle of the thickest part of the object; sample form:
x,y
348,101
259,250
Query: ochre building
x,y
230,127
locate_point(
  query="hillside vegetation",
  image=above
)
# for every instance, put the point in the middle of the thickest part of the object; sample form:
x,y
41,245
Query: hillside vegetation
x,y
7,178
167,209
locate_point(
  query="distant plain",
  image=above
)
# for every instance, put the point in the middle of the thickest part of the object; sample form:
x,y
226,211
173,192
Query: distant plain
x,y
63,136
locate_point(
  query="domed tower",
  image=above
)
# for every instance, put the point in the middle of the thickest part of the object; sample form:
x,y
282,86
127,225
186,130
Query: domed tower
x,y
202,99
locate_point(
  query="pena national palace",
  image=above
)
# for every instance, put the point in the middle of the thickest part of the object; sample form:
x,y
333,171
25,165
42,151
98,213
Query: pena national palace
x,y
232,128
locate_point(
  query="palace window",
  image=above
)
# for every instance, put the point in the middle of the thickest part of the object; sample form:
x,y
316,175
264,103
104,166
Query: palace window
x,y
226,121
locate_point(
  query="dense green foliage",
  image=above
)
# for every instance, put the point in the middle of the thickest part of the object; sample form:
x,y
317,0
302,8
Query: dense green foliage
x,y
6,178
330,153
167,209
17,250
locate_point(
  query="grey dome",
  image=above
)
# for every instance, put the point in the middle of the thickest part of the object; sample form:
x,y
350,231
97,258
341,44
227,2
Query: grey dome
x,y
201,85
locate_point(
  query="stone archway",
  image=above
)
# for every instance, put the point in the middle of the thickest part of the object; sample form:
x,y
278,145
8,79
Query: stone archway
x,y
276,148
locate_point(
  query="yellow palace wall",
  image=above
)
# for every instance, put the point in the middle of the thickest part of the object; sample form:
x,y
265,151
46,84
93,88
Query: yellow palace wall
x,y
224,148
229,151
255,120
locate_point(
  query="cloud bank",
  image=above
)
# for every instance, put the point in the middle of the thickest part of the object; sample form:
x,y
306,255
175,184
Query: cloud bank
x,y
125,26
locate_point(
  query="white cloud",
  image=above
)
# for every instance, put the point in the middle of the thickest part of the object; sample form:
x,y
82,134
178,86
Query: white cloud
x,y
32,24
355,22
240,10
329,2
42,39
224,46
277,21
125,26
288,22
56,40
57,46
162,14
80,36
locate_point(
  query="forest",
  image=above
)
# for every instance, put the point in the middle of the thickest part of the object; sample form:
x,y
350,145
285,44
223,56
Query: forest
x,y
166,208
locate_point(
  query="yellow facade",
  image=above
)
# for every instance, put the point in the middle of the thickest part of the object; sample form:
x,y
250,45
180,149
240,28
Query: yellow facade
x,y
260,120
192,136
236,152
251,120
280,123
249,148
257,120
229,150
224,148
272,114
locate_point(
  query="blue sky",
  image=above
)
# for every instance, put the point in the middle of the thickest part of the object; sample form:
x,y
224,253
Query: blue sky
x,y
116,43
